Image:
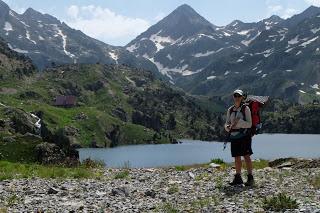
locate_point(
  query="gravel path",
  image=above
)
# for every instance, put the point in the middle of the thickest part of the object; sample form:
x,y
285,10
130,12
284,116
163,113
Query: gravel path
x,y
160,190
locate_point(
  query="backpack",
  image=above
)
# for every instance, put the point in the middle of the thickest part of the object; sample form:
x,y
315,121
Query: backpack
x,y
255,104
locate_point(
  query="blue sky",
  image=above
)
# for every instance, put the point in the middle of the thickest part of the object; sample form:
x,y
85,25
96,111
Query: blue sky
x,y
117,22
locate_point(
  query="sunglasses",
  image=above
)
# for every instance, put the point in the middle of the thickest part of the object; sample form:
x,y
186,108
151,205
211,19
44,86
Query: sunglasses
x,y
237,96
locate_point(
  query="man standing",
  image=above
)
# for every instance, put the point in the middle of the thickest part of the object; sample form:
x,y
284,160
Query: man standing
x,y
238,125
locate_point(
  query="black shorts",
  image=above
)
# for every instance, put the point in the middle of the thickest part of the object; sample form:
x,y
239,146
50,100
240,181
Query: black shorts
x,y
241,147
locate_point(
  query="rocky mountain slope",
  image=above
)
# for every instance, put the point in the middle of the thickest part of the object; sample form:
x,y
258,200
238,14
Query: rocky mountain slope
x,y
115,105
273,57
183,43
48,41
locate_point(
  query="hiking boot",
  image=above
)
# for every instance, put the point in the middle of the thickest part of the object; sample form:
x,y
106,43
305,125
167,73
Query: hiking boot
x,y
237,180
250,181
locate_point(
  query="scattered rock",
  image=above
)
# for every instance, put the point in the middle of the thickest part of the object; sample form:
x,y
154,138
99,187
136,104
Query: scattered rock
x,y
150,193
286,164
191,175
52,190
122,191
81,116
214,165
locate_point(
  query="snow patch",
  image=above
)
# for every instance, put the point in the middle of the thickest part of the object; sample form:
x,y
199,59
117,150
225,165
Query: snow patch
x,y
304,44
315,86
29,38
298,53
302,91
24,24
169,57
131,81
315,30
247,42
211,77
295,40
254,68
64,43
159,40
317,93
7,26
166,70
40,38
226,34
18,50
239,60
188,72
133,47
244,32
260,71
227,72
264,75
289,70
266,53
208,36
197,55
114,56
288,50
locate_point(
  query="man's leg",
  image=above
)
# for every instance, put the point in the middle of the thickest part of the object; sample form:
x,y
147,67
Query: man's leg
x,y
237,177
238,164
250,181
248,161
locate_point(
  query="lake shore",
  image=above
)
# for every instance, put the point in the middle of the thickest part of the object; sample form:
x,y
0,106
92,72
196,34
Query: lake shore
x,y
165,190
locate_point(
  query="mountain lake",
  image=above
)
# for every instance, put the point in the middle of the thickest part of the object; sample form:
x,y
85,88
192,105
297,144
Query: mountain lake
x,y
264,146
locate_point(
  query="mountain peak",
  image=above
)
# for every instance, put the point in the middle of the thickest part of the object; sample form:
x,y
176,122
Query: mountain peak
x,y
275,18
185,7
184,21
31,11
36,15
312,10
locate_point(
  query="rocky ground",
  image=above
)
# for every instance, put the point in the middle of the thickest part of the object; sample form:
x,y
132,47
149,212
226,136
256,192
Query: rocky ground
x,y
162,190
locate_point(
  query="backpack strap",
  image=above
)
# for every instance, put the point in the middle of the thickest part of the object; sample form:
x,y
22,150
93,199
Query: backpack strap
x,y
243,111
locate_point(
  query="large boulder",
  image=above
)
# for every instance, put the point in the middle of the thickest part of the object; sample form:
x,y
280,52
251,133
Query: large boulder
x,y
21,121
49,153
120,113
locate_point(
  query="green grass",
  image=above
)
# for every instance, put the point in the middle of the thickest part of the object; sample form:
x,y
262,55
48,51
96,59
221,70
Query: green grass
x,y
19,151
260,164
173,189
279,202
315,182
181,168
3,210
217,161
10,170
168,208
122,174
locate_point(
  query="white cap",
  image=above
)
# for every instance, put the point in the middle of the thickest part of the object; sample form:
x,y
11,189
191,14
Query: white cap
x,y
238,91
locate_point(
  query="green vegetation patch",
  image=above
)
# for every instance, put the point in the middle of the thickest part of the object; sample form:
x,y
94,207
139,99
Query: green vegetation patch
x,y
315,182
279,202
10,170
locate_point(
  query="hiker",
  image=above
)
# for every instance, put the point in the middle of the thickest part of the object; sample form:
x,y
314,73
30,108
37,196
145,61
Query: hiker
x,y
238,125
